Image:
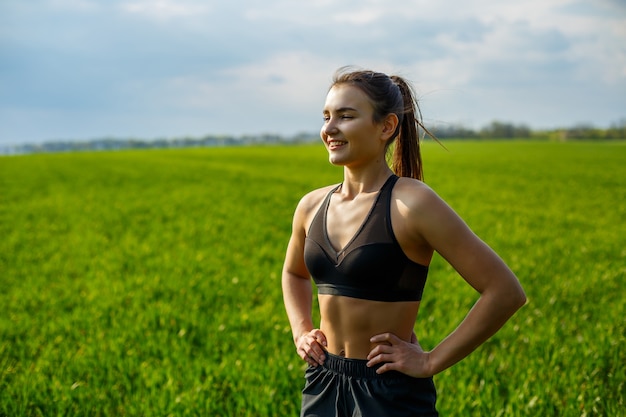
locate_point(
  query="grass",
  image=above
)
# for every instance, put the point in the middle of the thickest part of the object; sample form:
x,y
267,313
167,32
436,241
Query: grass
x,y
148,282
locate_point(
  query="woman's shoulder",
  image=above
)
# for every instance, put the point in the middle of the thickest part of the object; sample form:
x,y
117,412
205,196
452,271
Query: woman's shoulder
x,y
313,199
416,200
308,206
413,192
419,205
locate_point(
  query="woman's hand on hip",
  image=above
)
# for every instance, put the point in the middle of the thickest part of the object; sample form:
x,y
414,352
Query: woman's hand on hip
x,y
399,355
311,347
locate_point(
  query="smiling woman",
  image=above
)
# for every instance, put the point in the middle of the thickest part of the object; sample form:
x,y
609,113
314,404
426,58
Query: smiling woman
x,y
367,243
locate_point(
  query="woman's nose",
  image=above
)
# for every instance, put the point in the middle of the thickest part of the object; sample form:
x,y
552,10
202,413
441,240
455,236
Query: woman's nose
x,y
329,127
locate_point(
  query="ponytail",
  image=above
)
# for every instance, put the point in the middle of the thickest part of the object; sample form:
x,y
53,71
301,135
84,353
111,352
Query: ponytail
x,y
407,157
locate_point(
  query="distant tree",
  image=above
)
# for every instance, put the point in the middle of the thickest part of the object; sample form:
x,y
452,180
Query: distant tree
x,y
455,131
502,130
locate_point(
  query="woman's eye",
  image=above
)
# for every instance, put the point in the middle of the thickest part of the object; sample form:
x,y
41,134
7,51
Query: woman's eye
x,y
343,117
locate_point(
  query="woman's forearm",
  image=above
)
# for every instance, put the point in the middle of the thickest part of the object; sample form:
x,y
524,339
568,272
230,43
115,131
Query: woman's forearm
x,y
298,299
487,316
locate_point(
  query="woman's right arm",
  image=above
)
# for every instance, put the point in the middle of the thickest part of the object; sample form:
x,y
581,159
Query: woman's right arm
x,y
298,293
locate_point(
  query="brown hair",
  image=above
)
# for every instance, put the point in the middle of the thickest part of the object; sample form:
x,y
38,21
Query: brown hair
x,y
392,95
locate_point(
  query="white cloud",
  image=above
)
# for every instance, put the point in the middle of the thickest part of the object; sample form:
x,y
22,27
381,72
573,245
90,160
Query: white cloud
x,y
76,5
164,9
290,78
287,83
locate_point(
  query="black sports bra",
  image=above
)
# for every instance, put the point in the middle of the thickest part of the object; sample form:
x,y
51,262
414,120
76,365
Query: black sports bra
x,y
372,266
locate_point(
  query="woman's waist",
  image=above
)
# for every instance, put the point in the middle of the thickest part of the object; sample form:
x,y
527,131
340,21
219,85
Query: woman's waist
x,y
357,368
350,323
351,342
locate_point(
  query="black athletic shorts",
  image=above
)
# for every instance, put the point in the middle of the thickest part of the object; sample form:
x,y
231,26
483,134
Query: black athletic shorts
x,y
347,387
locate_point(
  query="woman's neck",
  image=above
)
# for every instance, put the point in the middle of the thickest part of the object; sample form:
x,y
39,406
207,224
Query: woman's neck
x,y
364,181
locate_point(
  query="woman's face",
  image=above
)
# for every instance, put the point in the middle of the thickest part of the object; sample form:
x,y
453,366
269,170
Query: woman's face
x,y
349,132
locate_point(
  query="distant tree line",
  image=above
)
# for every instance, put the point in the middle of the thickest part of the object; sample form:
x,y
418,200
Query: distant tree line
x,y
112,144
502,130
494,130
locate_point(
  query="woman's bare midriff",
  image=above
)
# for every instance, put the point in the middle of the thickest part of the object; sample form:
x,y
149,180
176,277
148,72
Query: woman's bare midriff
x,y
349,323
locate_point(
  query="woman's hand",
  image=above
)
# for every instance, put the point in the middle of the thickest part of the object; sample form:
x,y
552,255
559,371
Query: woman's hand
x,y
311,347
398,355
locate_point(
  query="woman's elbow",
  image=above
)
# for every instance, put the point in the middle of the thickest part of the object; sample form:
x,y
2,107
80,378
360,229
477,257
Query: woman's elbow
x,y
516,297
508,295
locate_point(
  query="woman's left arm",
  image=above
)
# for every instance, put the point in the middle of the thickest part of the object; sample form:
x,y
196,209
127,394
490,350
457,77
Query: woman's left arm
x,y
429,219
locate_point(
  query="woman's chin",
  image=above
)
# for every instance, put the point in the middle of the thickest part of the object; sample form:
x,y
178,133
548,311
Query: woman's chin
x,y
336,161
337,158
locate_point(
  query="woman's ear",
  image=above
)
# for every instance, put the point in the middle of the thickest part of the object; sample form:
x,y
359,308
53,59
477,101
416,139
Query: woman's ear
x,y
390,125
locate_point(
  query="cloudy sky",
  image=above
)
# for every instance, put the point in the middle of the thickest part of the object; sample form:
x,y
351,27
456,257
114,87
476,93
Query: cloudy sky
x,y
83,69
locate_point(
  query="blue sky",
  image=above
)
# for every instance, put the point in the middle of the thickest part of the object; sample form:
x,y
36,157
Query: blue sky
x,y
83,69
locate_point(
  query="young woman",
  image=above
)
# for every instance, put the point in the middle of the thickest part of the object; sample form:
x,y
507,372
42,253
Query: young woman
x,y
367,243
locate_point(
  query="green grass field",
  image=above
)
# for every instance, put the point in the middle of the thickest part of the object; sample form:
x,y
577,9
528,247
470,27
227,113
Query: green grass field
x,y
147,283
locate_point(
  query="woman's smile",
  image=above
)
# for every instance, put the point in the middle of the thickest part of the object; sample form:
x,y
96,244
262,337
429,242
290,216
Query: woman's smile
x,y
335,144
